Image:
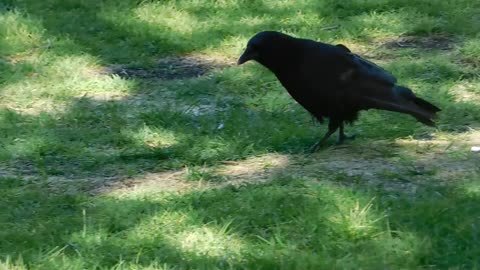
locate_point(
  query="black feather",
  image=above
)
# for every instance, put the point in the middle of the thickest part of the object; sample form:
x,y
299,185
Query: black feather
x,y
330,81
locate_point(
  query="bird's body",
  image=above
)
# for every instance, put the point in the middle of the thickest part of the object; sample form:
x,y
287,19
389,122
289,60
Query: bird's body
x,y
331,82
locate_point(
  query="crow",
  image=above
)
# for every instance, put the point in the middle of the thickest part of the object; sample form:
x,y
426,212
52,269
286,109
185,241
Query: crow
x,y
330,81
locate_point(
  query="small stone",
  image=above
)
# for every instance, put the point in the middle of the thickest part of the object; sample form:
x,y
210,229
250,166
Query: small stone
x,y
475,149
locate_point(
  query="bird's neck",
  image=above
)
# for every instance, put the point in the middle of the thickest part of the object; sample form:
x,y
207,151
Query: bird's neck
x,y
282,56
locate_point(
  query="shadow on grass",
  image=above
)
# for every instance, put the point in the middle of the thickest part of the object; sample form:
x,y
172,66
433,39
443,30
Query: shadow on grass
x,y
97,138
105,137
95,27
289,224
118,137
101,138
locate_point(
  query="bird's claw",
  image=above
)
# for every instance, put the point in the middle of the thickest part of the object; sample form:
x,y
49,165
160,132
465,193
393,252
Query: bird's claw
x,y
314,148
342,139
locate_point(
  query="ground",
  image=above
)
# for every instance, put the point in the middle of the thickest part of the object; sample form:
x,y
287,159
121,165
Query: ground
x,y
131,140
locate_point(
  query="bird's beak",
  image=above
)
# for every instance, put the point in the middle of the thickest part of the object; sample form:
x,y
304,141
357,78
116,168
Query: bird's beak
x,y
248,54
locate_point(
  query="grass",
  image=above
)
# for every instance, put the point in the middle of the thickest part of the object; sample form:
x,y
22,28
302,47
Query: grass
x,y
110,159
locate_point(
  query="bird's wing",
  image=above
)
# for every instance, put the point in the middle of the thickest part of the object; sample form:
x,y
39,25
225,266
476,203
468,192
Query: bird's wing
x,y
367,68
370,86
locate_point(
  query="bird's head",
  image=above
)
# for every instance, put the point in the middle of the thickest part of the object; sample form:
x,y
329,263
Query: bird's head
x,y
263,46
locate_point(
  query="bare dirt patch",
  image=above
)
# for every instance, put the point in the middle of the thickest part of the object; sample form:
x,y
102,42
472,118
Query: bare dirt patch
x,y
253,170
369,51
465,92
172,68
26,170
473,137
426,43
35,107
413,164
169,181
203,105
402,166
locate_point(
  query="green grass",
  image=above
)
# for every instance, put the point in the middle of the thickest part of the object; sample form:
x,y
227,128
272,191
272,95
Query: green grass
x,y
163,170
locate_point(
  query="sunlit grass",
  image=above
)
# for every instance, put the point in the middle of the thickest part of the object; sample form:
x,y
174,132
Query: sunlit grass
x,y
105,163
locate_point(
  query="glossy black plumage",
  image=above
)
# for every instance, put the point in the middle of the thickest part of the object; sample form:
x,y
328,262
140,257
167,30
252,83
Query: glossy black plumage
x,y
330,81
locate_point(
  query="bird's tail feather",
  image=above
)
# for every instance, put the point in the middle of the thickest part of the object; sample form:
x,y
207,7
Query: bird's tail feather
x,y
426,105
427,121
399,99
426,109
423,115
429,108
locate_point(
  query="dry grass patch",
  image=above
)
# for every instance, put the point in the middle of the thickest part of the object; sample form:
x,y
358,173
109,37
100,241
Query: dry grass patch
x,y
465,92
172,68
426,43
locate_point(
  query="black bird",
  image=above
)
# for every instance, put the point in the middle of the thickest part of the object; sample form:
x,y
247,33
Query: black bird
x,y
330,81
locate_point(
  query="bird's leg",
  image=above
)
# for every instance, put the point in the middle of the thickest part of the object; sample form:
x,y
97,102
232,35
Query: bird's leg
x,y
313,119
342,137
317,145
332,127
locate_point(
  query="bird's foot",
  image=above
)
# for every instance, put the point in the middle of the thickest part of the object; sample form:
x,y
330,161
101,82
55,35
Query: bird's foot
x,y
314,148
342,138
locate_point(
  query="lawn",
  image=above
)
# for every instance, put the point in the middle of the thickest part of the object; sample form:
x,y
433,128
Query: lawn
x,y
129,139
